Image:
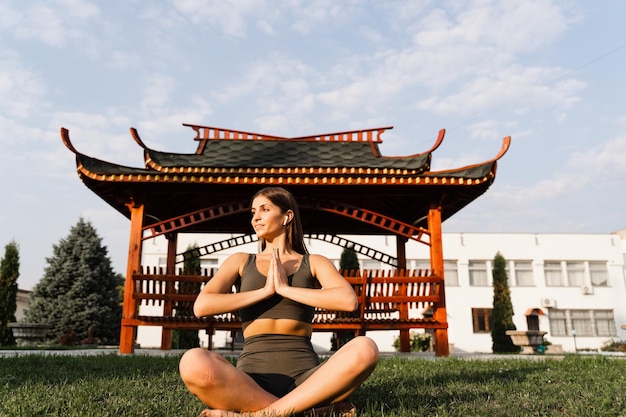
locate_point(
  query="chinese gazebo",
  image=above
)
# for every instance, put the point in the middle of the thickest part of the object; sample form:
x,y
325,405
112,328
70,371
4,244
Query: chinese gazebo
x,y
342,182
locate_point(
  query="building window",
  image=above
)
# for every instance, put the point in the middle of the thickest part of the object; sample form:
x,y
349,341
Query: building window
x,y
575,274
554,273
481,320
421,264
558,323
589,323
524,274
599,274
478,274
605,323
451,273
581,322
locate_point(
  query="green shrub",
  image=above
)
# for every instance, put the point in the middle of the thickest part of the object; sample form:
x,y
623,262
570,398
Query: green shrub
x,y
420,342
614,346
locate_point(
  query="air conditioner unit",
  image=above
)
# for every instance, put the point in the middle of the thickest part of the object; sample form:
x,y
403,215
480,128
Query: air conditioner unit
x,y
586,290
548,302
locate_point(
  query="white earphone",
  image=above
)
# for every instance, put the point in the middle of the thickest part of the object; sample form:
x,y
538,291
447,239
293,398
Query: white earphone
x,y
286,220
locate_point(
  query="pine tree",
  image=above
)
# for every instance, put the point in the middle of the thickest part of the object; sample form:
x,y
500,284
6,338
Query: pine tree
x,y
9,272
502,315
349,260
78,293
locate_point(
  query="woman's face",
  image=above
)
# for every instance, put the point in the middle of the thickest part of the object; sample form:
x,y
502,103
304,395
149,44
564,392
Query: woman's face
x,y
267,218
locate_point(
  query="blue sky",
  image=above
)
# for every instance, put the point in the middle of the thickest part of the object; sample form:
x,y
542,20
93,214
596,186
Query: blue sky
x,y
549,73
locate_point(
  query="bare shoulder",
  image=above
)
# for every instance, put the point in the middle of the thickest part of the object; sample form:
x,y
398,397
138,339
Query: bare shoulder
x,y
325,271
227,273
238,257
319,260
233,266
236,261
320,263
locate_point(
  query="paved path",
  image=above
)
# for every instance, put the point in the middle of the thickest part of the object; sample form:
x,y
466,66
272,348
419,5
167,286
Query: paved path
x,y
226,352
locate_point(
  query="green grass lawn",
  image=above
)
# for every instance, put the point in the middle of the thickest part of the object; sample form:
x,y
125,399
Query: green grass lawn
x,y
147,385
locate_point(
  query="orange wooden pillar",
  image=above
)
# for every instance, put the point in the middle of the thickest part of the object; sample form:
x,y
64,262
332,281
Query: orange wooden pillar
x,y
436,266
405,335
128,333
168,307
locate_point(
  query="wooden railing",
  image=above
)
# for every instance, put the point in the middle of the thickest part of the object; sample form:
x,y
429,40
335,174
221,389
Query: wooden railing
x,y
393,300
207,133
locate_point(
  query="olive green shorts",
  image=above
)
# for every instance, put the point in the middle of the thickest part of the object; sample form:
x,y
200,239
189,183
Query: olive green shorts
x,y
278,363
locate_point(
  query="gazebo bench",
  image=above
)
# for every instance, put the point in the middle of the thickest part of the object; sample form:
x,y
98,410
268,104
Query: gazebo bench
x,y
388,300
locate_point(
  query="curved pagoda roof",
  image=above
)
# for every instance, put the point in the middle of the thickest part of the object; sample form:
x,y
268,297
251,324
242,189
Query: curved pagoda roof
x,y
342,181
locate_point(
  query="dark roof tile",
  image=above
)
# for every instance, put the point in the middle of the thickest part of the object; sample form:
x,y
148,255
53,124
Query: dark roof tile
x,y
284,153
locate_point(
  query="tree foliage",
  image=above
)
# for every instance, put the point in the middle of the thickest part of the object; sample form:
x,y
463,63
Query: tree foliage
x,y
187,339
9,273
502,314
78,294
349,260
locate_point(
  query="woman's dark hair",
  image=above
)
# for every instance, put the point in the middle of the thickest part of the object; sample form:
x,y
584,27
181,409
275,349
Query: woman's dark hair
x,y
285,201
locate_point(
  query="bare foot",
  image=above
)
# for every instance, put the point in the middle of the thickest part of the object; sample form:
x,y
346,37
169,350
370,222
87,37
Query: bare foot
x,y
341,409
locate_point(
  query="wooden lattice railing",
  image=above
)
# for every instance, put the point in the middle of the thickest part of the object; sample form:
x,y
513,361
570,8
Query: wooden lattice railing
x,y
388,300
206,133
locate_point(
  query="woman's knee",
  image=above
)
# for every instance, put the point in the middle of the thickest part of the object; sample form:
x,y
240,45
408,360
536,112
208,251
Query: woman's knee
x,y
364,350
370,349
197,367
189,362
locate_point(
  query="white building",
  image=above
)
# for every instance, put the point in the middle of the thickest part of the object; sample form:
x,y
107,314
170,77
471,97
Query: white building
x,y
21,301
576,280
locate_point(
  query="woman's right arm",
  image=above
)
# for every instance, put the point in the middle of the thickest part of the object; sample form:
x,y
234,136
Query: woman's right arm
x,y
215,298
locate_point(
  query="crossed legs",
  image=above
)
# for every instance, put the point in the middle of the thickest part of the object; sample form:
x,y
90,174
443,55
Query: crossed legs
x,y
221,386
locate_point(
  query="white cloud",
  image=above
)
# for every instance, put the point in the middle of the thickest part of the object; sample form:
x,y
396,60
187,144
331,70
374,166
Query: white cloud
x,y
272,123
487,129
44,24
9,17
277,74
157,92
465,65
81,9
21,90
371,34
51,23
601,163
514,26
407,10
123,60
520,89
101,135
311,15
265,27
600,167
229,16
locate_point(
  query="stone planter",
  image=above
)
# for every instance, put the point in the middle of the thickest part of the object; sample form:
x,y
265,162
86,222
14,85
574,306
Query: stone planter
x,y
527,340
29,333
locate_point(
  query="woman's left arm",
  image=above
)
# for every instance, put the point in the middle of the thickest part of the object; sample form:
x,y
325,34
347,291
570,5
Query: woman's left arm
x,y
336,293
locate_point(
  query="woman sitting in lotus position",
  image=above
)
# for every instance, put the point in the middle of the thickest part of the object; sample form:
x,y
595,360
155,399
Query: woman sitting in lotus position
x,y
278,372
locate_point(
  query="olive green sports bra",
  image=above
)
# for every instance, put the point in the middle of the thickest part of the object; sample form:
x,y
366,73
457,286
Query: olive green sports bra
x,y
276,307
